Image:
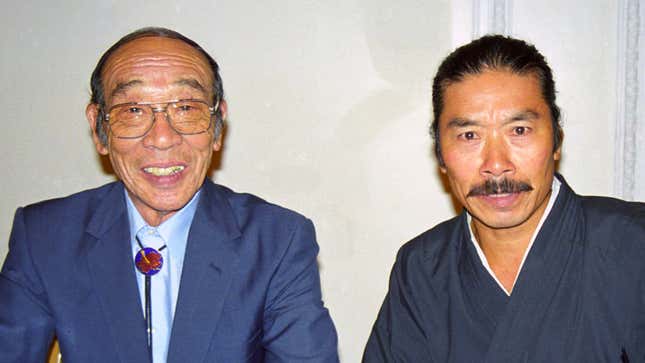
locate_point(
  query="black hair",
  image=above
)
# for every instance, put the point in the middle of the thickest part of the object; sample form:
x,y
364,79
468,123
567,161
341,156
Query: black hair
x,y
494,52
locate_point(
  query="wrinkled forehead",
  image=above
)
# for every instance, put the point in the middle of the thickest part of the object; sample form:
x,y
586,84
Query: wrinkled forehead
x,y
493,87
154,61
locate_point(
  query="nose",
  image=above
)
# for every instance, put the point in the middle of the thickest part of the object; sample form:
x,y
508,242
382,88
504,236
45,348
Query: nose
x,y
496,158
161,135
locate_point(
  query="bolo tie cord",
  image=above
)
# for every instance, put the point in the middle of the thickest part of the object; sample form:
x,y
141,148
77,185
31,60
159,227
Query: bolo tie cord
x,y
143,265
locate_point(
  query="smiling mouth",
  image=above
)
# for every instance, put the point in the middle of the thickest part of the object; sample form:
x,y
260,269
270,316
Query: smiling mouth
x,y
171,170
499,195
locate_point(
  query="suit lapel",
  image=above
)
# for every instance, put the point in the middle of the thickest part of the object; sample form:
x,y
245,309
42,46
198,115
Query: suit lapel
x,y
209,267
111,268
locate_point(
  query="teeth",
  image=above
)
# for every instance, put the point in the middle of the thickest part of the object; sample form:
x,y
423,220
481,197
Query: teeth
x,y
164,171
500,195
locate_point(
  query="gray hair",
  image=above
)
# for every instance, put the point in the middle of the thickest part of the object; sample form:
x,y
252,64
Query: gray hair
x,y
96,81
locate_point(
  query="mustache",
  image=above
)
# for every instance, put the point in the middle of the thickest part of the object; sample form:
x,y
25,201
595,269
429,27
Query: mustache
x,y
499,186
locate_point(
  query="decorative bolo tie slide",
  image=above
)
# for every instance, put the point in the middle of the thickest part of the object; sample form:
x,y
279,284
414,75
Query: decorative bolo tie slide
x,y
148,260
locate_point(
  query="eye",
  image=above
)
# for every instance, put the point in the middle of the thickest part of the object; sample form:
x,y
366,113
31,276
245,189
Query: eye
x,y
184,107
520,130
134,109
468,135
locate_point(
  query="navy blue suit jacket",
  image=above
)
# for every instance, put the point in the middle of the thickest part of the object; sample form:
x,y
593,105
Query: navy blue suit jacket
x,y
249,292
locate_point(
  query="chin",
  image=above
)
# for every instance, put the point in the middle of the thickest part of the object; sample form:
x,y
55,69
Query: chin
x,y
170,205
501,220
501,224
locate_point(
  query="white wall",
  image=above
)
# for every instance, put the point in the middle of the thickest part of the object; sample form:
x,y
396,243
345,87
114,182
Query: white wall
x,y
329,108
578,38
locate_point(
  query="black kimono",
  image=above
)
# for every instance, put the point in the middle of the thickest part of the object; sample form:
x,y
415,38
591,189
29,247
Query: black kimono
x,y
579,297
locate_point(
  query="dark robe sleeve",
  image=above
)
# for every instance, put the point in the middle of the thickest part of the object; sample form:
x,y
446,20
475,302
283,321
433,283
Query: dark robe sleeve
x,y
399,313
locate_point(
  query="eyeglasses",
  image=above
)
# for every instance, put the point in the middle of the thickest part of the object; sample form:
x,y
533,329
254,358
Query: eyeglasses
x,y
134,119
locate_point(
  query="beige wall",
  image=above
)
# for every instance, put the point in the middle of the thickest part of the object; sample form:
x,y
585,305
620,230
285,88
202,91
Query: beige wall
x,y
329,109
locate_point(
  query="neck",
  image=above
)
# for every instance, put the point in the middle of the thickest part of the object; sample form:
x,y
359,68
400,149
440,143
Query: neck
x,y
154,219
505,248
495,241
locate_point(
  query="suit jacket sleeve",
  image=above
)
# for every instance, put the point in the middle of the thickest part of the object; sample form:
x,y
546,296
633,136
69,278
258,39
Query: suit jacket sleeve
x,y
297,327
26,325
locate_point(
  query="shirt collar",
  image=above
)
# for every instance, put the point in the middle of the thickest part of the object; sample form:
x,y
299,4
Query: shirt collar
x,y
173,230
555,189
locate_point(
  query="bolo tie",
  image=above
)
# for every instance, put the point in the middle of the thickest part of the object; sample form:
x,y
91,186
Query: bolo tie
x,y
149,262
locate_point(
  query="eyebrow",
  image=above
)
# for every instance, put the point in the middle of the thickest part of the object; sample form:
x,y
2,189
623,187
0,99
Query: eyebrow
x,y
458,122
191,82
525,115
122,87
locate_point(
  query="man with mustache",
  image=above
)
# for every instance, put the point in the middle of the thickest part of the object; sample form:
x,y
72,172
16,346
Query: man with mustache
x,y
162,265
530,271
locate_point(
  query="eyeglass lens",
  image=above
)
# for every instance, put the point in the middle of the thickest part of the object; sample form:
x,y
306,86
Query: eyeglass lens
x,y
134,120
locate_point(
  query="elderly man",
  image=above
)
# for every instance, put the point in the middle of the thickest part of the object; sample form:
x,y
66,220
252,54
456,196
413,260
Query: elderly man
x,y
530,271
162,265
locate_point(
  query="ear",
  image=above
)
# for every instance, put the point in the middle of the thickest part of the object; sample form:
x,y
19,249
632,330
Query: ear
x,y
558,153
92,113
217,144
223,108
441,162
